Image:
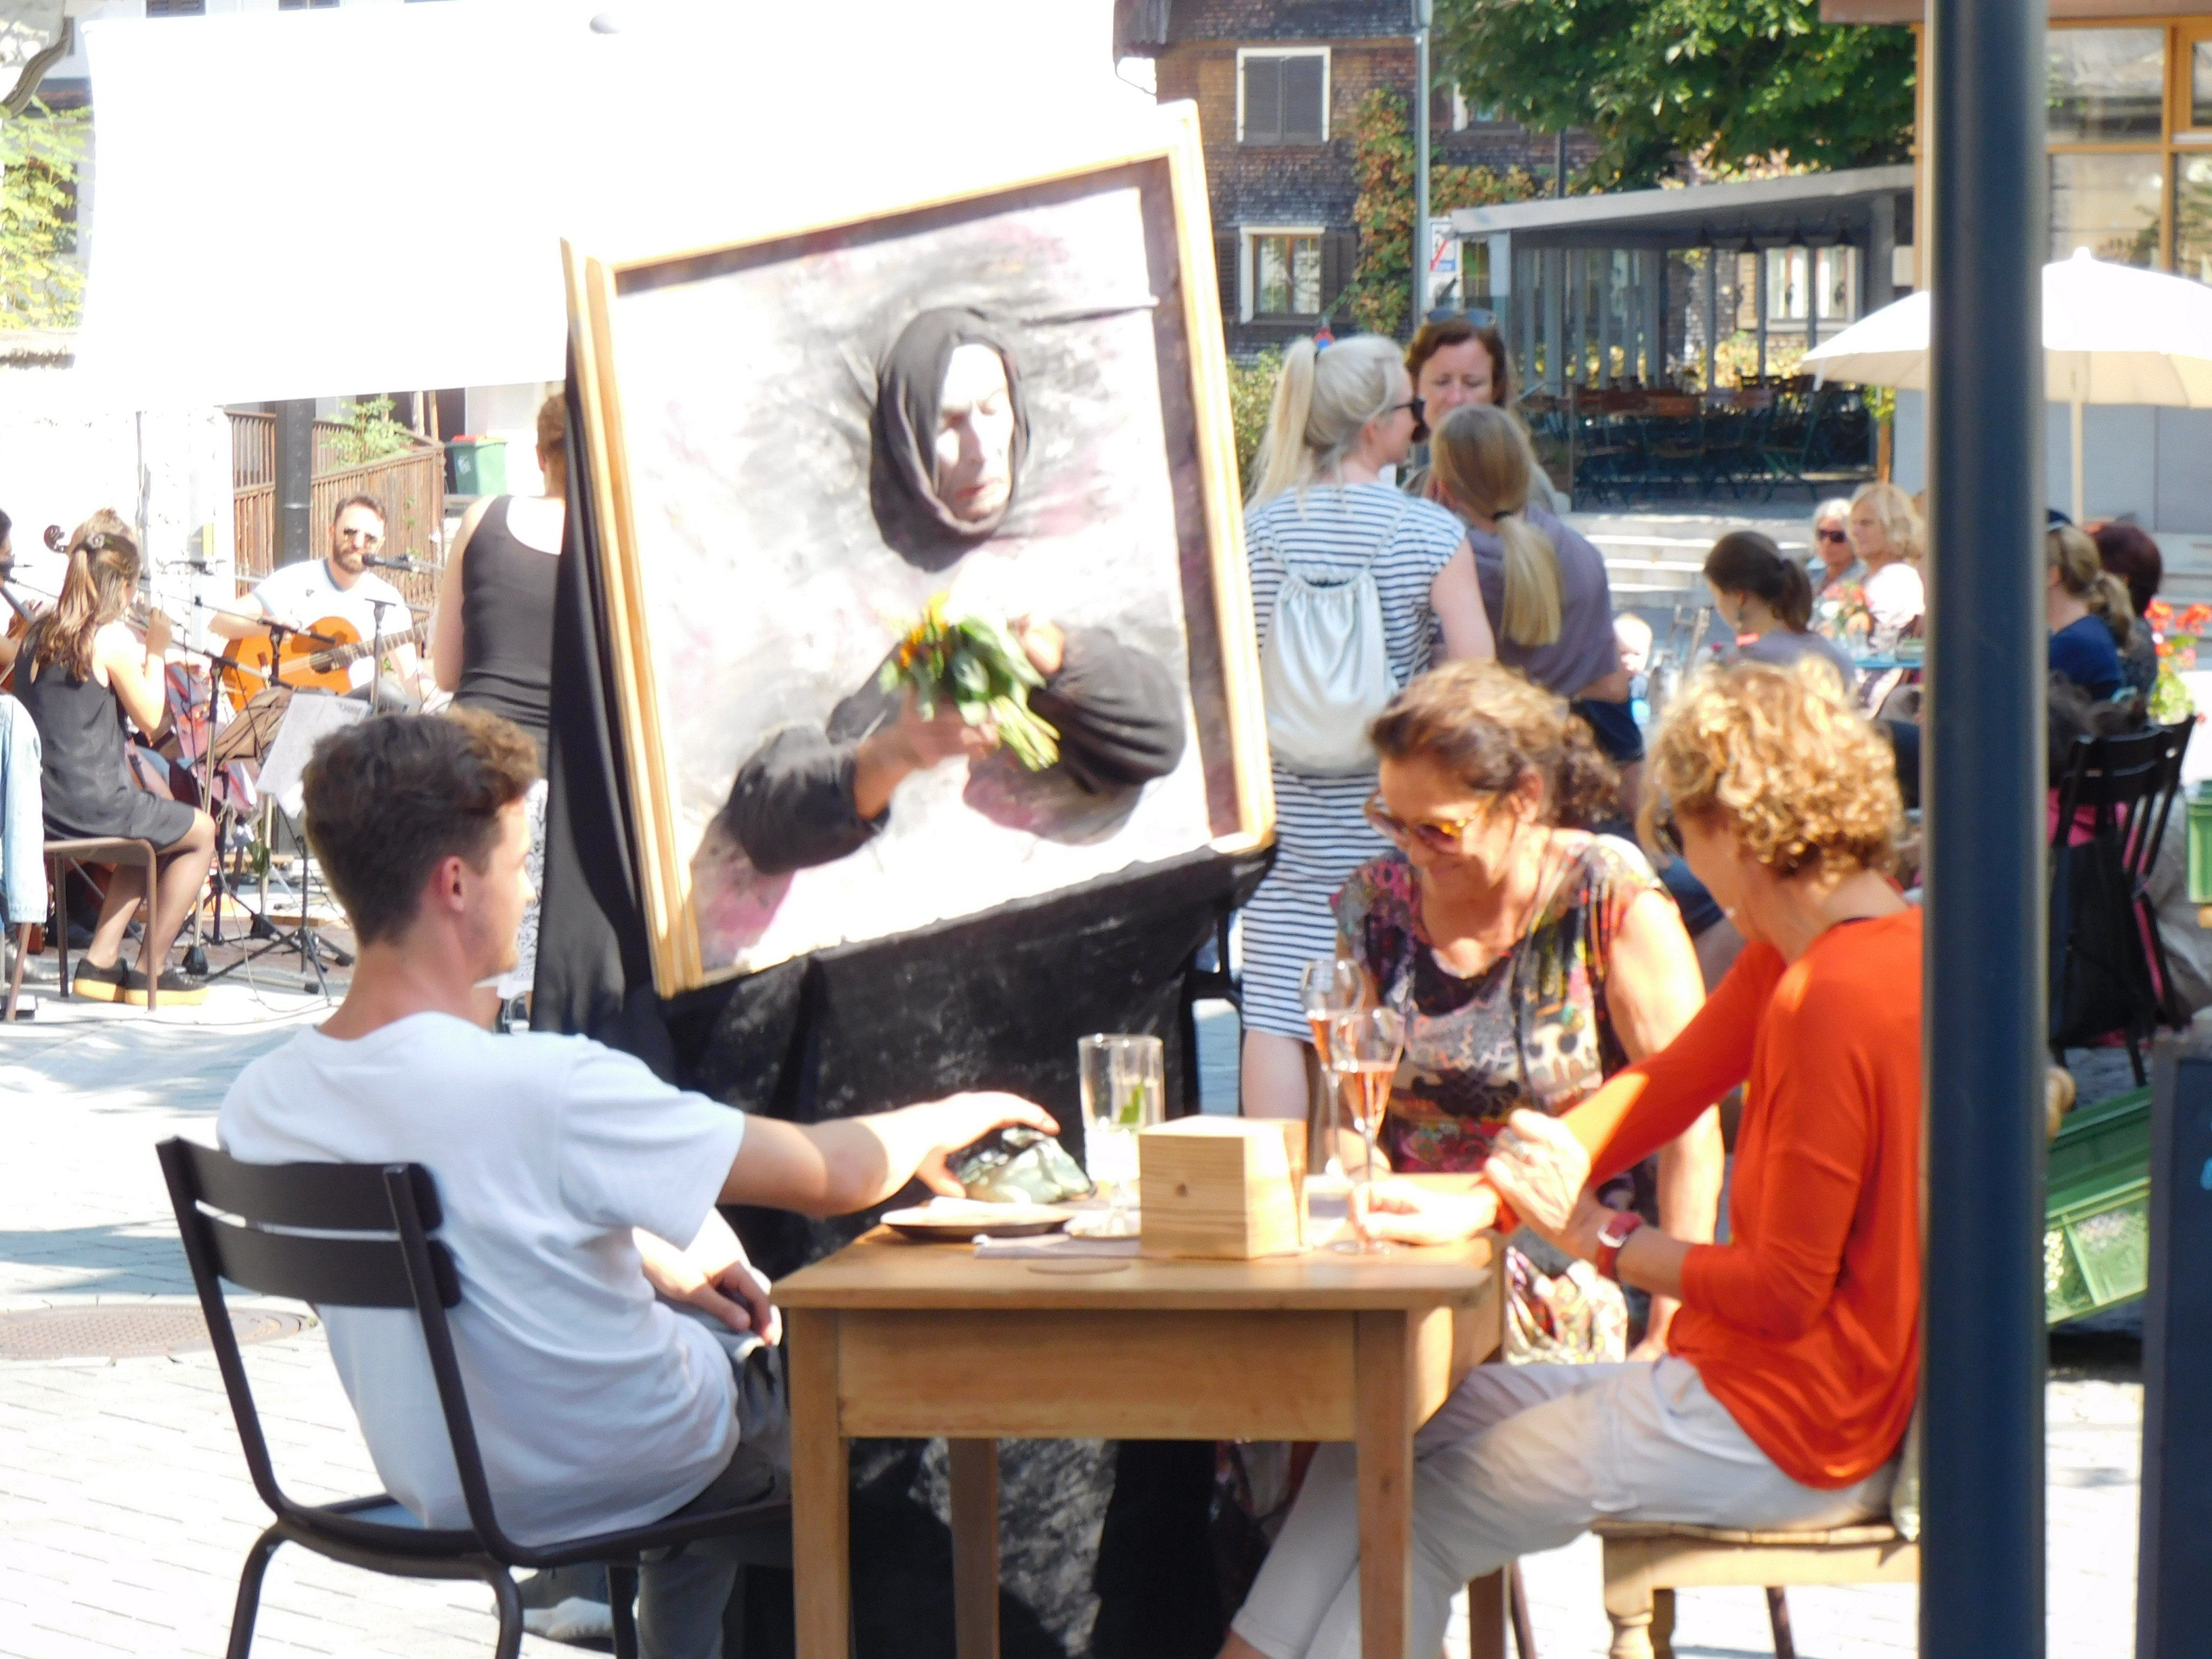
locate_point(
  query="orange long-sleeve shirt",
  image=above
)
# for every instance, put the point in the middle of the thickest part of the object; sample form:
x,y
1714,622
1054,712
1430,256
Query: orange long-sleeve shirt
x,y
1805,1324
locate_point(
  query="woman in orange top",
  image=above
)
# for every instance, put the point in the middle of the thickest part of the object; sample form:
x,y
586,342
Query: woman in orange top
x,y
1794,1363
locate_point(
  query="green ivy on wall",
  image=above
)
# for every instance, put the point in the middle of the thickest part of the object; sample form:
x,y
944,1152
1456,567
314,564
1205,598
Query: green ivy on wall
x,y
1379,294
41,285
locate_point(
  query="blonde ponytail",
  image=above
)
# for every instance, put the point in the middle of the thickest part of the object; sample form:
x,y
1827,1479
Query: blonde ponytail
x,y
1481,461
2081,573
1323,400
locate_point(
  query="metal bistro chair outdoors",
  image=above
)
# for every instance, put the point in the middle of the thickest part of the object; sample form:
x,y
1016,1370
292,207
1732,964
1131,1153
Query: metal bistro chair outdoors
x,y
253,1239
2108,966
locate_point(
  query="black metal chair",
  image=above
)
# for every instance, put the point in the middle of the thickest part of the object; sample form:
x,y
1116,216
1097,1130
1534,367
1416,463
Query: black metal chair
x,y
371,1248
2108,964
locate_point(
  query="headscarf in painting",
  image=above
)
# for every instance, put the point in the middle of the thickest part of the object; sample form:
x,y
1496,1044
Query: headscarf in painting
x,y
903,476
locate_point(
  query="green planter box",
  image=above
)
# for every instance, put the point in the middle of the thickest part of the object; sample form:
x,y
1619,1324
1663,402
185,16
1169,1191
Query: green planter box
x,y
475,466
2096,1226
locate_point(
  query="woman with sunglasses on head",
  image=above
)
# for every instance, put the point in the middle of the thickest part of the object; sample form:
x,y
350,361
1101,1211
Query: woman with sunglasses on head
x,y
1455,360
1532,959
1793,1369
1318,516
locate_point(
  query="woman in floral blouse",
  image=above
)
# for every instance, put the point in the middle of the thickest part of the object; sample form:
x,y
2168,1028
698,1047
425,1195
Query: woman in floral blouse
x,y
1532,958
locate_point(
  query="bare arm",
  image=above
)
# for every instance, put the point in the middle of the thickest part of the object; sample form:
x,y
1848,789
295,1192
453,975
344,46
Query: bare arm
x,y
713,1274
851,1163
240,622
135,671
1457,598
446,635
1653,989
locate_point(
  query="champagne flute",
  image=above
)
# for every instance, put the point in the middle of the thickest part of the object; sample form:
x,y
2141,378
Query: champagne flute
x,y
1328,986
1364,1048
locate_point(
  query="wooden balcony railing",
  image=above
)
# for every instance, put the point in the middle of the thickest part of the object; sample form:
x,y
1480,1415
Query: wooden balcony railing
x,y
410,487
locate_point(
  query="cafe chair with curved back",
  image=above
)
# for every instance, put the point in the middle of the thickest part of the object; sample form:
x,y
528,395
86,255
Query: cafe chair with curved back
x,y
358,1236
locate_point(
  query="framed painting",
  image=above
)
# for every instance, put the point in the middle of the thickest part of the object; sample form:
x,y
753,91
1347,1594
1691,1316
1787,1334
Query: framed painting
x,y
1005,412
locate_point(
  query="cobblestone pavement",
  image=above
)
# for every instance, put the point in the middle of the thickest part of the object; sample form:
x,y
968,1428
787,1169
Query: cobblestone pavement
x,y
126,1511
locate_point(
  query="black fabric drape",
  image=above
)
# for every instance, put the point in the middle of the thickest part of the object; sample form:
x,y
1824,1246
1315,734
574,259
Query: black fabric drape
x,y
1106,1552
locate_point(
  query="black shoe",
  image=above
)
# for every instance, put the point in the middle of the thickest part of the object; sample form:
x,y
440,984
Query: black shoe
x,y
175,987
99,984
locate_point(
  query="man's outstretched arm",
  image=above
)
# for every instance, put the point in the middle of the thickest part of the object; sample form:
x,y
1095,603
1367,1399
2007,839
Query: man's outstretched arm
x,y
851,1163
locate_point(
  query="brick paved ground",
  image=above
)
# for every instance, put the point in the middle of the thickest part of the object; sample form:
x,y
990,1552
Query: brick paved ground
x,y
126,1510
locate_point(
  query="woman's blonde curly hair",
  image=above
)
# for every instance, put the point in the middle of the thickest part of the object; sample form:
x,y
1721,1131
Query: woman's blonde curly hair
x,y
1809,782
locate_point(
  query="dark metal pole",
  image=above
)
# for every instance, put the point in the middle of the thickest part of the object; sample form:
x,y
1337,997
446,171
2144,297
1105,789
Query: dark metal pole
x,y
295,480
1981,1551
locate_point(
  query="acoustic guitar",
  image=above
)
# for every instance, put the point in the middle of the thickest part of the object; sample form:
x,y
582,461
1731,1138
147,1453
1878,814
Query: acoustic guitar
x,y
316,658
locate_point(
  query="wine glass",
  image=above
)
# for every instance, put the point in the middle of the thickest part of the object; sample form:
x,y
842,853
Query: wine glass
x,y
1365,1047
1121,1079
1328,986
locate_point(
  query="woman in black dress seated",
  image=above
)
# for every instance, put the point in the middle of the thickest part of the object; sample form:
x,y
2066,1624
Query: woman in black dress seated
x,y
80,671
951,431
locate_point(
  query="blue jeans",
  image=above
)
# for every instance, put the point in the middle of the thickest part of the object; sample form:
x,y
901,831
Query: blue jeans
x,y
22,819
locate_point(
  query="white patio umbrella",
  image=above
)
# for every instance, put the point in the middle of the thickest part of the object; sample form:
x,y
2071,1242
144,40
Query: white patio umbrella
x,y
2111,334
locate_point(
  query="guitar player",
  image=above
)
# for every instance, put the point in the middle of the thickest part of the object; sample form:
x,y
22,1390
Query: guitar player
x,y
341,585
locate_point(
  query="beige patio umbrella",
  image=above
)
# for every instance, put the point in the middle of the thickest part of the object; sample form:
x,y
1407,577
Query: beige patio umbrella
x,y
2111,334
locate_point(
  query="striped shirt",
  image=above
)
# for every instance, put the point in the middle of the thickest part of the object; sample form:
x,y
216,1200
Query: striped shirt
x,y
1321,835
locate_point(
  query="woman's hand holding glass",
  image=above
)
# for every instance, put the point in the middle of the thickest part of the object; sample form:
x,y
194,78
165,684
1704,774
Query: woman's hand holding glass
x,y
1400,1212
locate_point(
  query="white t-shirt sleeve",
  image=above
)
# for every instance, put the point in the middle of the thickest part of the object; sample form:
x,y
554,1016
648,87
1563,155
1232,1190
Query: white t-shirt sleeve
x,y
635,1153
282,593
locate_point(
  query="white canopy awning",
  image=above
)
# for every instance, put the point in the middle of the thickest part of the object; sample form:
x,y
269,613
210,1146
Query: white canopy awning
x,y
322,202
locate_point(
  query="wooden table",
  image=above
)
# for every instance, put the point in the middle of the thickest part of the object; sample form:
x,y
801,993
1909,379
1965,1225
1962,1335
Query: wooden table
x,y
916,1341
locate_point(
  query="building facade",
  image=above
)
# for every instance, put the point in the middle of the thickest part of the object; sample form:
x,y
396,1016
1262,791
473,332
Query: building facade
x,y
1277,83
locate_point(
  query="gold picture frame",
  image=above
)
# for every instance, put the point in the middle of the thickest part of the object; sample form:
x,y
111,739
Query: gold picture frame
x,y
1222,655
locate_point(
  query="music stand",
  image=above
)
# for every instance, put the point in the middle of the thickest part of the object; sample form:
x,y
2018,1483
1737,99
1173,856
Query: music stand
x,y
306,717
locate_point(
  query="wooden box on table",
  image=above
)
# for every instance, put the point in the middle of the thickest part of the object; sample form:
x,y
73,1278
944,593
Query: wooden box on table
x,y
1226,1188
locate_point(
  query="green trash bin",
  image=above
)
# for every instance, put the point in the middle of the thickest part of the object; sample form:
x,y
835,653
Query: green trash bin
x,y
475,466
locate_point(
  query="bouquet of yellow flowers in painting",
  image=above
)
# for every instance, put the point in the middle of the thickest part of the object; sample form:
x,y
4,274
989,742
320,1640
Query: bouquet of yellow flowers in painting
x,y
974,665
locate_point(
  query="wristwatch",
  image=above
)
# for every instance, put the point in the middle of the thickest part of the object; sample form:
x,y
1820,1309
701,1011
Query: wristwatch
x,y
1611,1237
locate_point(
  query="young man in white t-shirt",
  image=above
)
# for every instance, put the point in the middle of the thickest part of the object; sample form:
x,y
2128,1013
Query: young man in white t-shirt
x,y
341,585
579,1191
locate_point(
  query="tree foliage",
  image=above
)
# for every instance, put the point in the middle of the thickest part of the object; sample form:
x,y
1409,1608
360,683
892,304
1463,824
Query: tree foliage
x,y
1733,82
41,286
1380,291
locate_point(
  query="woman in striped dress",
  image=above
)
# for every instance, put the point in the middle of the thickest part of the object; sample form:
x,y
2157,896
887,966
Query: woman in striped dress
x,y
1319,507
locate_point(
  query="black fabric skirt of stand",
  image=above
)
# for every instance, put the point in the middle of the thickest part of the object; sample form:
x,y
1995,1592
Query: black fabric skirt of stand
x,y
1107,1548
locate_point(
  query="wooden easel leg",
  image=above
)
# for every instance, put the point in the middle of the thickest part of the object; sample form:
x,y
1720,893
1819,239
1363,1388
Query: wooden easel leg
x,y
974,1547
821,1493
1385,1415
1516,1601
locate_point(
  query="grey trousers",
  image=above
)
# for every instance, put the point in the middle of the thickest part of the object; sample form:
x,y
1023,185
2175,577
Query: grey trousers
x,y
680,1598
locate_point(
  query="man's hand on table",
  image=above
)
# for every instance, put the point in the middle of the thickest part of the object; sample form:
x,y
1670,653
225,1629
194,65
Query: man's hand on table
x,y
713,1276
1403,1214
960,1121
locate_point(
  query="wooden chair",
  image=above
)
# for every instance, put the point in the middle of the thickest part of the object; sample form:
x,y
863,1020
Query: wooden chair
x,y
98,850
1646,1562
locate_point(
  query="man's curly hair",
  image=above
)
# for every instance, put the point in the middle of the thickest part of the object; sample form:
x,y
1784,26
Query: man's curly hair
x,y
1809,782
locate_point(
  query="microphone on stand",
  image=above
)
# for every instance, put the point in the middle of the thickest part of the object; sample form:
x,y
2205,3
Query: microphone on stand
x,y
377,561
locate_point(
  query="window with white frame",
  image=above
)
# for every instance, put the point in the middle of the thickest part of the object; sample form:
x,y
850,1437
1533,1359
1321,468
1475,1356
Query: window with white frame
x,y
1282,96
1465,115
1282,273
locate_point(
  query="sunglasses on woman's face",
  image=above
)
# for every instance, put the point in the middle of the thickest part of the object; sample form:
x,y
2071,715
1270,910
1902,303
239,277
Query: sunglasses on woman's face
x,y
1418,403
1438,834
1834,535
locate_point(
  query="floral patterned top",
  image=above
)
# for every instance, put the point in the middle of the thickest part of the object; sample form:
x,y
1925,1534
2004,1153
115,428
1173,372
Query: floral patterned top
x,y
1531,1030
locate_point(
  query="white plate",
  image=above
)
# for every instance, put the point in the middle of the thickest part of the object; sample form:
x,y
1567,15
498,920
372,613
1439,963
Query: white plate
x,y
960,1220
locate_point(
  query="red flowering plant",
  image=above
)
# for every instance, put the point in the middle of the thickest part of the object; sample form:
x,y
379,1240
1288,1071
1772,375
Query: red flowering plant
x,y
2174,636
